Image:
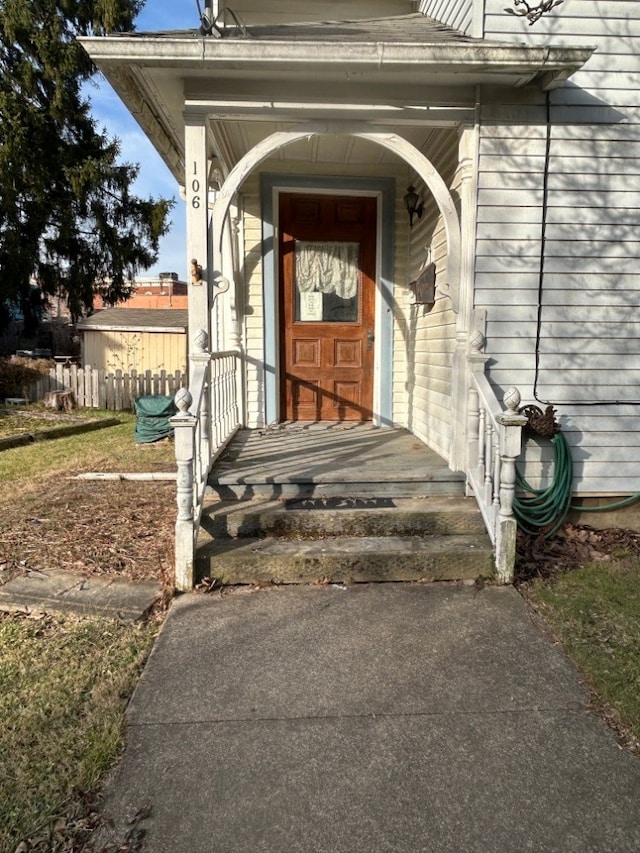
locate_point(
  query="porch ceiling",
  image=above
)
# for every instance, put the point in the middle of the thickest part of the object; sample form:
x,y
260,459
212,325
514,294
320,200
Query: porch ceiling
x,y
236,138
409,73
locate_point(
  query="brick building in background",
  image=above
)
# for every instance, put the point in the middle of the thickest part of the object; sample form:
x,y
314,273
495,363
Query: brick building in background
x,y
165,291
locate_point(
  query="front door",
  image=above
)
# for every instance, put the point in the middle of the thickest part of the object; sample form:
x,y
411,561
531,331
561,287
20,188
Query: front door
x,y
327,251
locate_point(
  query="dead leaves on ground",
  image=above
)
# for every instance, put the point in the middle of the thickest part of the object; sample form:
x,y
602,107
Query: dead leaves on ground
x,y
73,830
573,545
99,527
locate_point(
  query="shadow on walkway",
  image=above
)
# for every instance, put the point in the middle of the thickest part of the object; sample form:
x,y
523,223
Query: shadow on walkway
x,y
391,717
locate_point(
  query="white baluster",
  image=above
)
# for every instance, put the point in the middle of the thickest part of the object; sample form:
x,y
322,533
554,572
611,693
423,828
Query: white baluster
x,y
473,425
482,427
488,463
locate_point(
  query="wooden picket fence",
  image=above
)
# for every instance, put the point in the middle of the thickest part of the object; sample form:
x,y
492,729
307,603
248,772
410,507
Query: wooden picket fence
x,y
99,389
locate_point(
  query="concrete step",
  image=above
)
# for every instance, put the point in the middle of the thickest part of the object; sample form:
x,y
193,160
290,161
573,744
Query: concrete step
x,y
346,559
303,504
314,518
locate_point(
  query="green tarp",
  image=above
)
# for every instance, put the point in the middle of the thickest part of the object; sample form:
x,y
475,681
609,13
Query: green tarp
x,y
152,418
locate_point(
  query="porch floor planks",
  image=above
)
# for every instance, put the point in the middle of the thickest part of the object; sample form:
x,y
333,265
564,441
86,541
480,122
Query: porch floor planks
x,y
330,453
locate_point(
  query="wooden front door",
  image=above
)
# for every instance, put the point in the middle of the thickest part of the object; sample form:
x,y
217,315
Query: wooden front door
x,y
327,250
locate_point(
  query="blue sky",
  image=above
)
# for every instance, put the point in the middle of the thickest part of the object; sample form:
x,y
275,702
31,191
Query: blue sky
x,y
154,178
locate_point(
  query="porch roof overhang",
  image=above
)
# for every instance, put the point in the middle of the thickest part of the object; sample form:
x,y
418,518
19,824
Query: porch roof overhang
x,y
407,70
464,63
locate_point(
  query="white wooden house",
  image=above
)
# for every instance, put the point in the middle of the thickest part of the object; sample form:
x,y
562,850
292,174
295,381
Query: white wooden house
x,y
293,128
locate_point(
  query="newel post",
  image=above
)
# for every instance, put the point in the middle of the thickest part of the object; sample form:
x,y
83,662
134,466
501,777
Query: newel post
x,y
184,425
511,424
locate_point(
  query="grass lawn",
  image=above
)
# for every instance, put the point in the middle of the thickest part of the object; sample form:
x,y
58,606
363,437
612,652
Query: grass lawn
x,y
594,609
64,680
109,449
64,683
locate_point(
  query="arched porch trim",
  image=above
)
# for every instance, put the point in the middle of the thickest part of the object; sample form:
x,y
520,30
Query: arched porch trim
x,y
391,141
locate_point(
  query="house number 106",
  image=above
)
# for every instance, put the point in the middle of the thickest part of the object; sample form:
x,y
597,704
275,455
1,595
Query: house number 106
x,y
195,188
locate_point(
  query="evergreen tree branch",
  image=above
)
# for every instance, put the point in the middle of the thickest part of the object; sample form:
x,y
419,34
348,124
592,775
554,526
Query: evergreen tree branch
x,y
68,218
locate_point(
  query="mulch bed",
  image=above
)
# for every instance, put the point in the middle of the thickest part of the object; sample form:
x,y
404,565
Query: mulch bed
x,y
119,527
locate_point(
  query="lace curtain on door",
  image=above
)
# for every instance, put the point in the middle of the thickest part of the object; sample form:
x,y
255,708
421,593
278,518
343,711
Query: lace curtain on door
x,y
327,267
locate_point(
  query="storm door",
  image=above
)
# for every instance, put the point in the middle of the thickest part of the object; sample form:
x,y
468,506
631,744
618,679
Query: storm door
x,y
327,251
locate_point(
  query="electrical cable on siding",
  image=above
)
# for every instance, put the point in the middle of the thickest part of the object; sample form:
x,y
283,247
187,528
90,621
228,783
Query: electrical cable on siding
x,y
543,243
541,274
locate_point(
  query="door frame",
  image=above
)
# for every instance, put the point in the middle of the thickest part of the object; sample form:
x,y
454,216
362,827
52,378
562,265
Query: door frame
x,y
383,189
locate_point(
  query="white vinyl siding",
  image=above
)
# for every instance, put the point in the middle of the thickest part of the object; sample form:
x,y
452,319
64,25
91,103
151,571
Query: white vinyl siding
x,y
589,348
253,326
401,313
429,337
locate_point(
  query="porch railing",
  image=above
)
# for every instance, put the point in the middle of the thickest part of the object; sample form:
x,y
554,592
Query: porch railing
x,y
494,441
209,413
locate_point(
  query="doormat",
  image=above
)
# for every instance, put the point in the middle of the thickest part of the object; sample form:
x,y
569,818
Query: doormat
x,y
339,503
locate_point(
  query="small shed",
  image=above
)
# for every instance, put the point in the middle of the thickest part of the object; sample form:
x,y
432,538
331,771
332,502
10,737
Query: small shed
x,y
135,339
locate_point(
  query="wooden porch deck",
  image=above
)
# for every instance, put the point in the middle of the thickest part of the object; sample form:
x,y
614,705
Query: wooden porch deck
x,y
358,456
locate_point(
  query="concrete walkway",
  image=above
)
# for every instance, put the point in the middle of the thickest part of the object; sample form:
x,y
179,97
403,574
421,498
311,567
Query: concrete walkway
x,y
67,591
366,719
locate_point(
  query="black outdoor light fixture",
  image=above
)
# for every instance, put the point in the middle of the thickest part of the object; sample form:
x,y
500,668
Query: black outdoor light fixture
x,y
413,204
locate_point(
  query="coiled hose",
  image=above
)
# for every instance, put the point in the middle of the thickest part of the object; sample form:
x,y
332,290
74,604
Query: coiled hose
x,y
543,511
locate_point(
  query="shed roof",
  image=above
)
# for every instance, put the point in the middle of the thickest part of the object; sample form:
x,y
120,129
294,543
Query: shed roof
x,y
171,320
403,29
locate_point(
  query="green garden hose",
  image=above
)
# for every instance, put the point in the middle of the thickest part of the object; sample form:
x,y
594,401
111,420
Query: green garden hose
x,y
543,511
604,507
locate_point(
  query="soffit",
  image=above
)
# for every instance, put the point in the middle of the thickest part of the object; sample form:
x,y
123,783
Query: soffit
x,y
329,149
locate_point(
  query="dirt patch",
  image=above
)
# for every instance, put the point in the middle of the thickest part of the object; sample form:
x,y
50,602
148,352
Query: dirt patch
x,y
125,528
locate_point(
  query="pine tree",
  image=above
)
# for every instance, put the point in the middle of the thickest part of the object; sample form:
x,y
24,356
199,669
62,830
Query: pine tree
x,y
68,219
